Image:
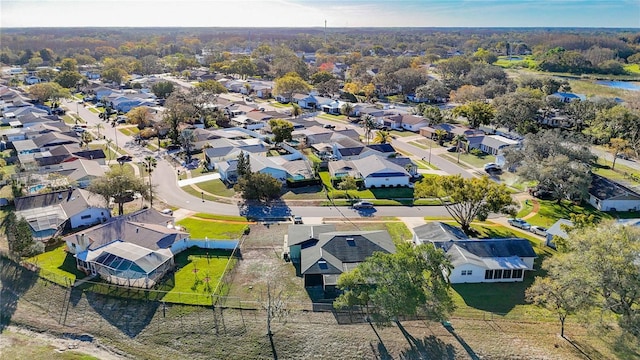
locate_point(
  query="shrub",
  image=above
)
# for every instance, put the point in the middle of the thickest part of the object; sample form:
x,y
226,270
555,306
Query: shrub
x,y
477,152
147,133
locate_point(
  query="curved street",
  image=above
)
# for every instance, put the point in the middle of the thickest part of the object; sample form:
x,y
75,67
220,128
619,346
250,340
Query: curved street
x,y
165,180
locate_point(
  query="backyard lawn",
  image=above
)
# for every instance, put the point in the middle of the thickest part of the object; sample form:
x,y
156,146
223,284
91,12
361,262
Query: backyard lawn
x,y
57,266
502,299
377,193
550,212
198,273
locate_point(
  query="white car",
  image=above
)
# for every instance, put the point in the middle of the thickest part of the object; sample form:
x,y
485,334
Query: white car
x,y
167,212
538,230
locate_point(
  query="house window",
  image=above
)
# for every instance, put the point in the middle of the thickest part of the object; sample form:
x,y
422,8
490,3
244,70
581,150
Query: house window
x,y
466,272
497,274
506,274
516,274
323,265
488,274
84,217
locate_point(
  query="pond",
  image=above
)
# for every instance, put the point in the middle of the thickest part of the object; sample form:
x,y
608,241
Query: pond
x,y
623,85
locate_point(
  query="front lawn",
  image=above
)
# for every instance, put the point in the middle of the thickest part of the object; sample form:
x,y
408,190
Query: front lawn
x,y
399,231
473,160
402,133
338,118
377,193
550,212
216,187
57,266
199,228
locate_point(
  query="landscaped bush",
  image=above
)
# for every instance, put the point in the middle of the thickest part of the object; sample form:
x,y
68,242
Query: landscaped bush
x,y
477,152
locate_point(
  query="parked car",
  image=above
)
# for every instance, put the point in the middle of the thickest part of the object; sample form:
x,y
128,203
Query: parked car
x,y
488,167
329,126
363,205
124,158
452,149
78,129
519,223
167,212
538,230
297,219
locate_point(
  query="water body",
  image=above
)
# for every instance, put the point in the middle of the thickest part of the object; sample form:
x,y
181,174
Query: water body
x,y
623,85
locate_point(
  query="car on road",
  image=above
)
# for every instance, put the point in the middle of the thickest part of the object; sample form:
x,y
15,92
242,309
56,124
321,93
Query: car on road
x,y
538,230
519,223
297,219
78,129
124,158
452,149
488,167
329,126
363,205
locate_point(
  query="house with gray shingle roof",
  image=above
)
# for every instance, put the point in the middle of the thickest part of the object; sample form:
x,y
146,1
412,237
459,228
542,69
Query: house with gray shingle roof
x,y
52,212
608,195
488,260
437,231
320,254
557,229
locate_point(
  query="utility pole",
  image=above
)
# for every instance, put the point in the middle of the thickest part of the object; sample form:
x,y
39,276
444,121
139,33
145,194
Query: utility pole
x,y
325,32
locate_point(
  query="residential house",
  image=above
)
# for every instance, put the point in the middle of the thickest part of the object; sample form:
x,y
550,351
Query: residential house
x,y
375,170
437,231
334,107
557,229
566,97
50,213
311,101
488,260
404,121
321,254
608,195
227,149
134,250
493,144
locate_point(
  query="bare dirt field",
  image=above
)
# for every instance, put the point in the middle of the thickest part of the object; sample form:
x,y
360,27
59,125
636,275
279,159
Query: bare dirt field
x,y
152,330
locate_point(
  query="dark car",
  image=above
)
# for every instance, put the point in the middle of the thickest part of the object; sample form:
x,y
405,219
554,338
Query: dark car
x,y
452,149
124,158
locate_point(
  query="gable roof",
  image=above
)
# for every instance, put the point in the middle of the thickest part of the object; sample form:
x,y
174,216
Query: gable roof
x,y
438,231
374,164
490,253
383,148
341,251
300,233
147,228
556,228
497,141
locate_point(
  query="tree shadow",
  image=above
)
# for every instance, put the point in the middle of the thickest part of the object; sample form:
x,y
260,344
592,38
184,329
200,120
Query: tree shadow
x,y
464,344
276,210
499,298
14,282
128,315
426,348
380,350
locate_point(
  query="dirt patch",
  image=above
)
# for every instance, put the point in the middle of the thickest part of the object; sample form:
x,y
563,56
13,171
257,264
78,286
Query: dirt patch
x,y
18,342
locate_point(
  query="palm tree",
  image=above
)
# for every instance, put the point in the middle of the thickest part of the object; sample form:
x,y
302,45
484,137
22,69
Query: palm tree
x,y
107,146
296,110
99,127
346,109
149,164
85,139
368,123
382,137
440,135
458,140
186,139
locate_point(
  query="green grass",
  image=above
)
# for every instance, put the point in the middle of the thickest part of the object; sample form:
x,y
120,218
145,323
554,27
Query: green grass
x,y
305,193
590,88
129,131
503,299
401,133
94,110
199,229
398,231
68,119
474,161
57,266
312,157
190,190
525,62
525,209
620,173
417,144
423,164
197,276
338,118
220,217
216,187
280,105
550,212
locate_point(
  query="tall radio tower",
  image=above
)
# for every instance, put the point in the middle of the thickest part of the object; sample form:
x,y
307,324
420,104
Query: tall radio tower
x,y
325,31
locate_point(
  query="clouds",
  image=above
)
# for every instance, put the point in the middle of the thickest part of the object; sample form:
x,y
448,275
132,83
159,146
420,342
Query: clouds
x,y
306,13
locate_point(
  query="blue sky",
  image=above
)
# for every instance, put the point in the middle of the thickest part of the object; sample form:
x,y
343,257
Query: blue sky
x,y
307,13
